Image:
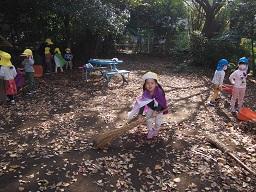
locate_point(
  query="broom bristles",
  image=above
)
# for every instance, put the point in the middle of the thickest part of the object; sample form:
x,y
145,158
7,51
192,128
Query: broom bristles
x,y
105,139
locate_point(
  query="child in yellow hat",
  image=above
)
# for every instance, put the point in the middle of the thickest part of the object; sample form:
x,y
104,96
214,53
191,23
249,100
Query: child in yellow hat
x,y
45,52
48,59
48,41
59,60
28,63
8,72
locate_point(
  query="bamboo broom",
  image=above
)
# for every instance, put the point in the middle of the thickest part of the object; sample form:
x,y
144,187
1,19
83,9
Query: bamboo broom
x,y
213,140
104,140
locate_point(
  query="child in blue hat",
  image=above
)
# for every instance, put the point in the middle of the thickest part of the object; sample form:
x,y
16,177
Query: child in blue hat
x,y
238,79
218,79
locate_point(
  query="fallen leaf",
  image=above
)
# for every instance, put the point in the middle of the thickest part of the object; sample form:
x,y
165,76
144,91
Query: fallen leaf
x,y
177,180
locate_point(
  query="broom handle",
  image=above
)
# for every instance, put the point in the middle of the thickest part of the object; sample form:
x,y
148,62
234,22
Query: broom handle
x,y
135,120
241,163
223,148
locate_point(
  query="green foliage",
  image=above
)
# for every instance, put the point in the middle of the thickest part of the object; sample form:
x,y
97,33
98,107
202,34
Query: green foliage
x,y
208,16
228,33
26,22
198,44
154,20
90,25
161,15
243,22
207,52
182,41
243,18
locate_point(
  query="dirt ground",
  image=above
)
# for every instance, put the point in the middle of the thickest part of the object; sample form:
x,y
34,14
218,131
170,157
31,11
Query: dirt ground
x,y
47,139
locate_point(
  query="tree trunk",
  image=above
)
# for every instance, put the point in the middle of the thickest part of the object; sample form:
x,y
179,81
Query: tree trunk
x,y
67,30
209,29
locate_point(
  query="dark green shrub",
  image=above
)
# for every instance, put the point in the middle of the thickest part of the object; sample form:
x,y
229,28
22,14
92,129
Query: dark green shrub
x,y
206,52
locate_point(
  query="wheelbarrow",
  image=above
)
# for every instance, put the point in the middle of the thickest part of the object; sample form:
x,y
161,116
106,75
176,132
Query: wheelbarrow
x,y
246,114
226,88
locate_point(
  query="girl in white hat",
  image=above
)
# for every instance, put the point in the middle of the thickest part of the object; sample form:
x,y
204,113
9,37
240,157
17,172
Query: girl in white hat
x,y
152,103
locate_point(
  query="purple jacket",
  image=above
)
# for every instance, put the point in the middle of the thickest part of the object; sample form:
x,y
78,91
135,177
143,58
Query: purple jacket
x,y
20,80
158,95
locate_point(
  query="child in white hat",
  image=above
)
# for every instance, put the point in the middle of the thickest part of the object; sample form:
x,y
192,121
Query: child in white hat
x,y
152,103
68,56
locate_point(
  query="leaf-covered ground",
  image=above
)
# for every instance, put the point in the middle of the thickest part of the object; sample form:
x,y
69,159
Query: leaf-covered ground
x,y
47,140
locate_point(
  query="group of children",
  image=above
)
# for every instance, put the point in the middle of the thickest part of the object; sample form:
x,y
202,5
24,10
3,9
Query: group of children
x,y
55,57
237,79
153,103
9,74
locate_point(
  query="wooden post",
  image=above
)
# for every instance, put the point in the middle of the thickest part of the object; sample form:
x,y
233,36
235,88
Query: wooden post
x,y
214,141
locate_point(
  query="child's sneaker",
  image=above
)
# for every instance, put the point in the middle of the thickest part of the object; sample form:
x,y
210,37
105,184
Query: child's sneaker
x,y
211,104
12,102
150,134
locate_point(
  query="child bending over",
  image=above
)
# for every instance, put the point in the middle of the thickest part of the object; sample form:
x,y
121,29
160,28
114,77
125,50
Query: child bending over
x,y
152,103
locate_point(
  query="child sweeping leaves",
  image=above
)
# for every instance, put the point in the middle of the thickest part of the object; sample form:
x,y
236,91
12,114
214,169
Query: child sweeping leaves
x,y
218,79
152,102
238,79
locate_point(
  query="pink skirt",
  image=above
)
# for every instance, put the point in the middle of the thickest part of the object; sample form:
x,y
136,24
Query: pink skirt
x,y
10,87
